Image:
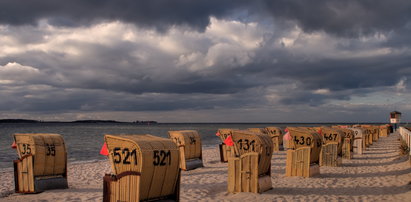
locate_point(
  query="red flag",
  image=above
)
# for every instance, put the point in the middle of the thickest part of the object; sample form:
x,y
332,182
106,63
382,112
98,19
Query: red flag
x,y
287,136
218,133
104,150
229,141
14,146
320,131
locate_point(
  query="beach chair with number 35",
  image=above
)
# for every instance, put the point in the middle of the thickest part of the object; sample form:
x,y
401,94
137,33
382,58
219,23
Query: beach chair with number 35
x,y
42,162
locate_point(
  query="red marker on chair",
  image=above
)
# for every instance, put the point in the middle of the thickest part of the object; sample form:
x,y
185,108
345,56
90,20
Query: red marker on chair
x,y
104,150
229,141
14,145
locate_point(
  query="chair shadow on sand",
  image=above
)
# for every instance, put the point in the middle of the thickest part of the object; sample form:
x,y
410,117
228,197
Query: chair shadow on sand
x,y
370,164
375,157
76,190
378,174
369,150
220,171
378,152
352,191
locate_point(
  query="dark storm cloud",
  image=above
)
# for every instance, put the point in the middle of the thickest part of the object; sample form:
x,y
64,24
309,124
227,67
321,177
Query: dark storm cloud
x,y
50,100
342,74
99,68
358,77
342,77
160,14
136,78
344,18
302,97
367,50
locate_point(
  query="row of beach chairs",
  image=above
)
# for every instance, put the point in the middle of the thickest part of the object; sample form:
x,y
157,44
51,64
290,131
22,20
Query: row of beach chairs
x,y
147,167
144,167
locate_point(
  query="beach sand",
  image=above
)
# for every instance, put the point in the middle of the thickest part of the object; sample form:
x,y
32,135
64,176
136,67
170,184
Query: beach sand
x,y
380,174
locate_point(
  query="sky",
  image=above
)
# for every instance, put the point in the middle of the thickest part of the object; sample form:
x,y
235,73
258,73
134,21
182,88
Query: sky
x,y
205,60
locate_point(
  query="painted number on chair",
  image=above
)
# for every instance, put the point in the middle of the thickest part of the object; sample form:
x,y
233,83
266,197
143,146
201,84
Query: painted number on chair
x,y
26,149
246,144
161,157
177,140
124,156
192,140
301,140
330,137
51,150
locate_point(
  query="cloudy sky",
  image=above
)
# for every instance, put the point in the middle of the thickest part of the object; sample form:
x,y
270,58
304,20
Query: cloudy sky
x,y
205,60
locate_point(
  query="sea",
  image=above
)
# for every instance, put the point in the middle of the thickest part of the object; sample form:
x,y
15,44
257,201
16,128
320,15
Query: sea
x,y
84,140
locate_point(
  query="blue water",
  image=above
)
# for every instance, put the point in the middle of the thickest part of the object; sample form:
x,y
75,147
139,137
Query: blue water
x,y
84,140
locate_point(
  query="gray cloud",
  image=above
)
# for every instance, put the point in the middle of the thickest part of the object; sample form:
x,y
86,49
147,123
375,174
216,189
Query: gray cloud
x,y
91,56
347,18
156,14
343,18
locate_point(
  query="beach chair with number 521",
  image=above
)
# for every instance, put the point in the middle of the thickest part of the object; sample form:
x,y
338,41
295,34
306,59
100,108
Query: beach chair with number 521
x,y
145,167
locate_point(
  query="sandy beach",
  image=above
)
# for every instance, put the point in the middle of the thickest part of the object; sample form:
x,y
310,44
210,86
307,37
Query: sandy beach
x,y
380,174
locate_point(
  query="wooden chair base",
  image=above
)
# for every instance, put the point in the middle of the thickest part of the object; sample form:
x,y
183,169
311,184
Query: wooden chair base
x,y
126,187
193,164
348,156
329,155
243,175
370,139
346,149
313,170
225,152
264,183
358,146
189,164
375,138
25,182
54,182
276,143
298,164
335,163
